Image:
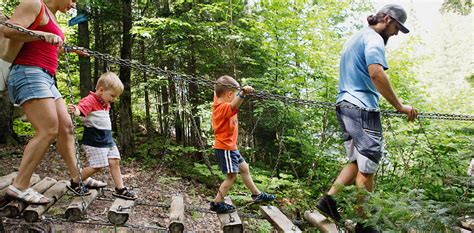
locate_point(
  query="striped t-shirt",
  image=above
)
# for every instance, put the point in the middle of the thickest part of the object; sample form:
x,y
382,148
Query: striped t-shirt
x,y
97,123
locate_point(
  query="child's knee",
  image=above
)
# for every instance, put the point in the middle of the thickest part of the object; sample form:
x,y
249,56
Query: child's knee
x,y
244,168
114,162
231,176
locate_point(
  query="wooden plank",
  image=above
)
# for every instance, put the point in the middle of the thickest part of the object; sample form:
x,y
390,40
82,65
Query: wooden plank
x,y
176,214
76,209
3,201
33,212
120,211
230,222
462,230
468,224
7,180
320,222
278,219
14,208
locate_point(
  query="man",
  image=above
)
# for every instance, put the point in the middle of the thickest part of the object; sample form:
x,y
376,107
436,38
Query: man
x,y
362,81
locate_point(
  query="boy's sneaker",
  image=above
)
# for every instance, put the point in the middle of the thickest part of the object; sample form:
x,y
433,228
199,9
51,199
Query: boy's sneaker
x,y
222,207
125,193
360,228
327,206
79,189
263,197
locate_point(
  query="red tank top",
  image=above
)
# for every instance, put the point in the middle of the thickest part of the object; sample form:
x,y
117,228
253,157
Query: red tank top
x,y
39,53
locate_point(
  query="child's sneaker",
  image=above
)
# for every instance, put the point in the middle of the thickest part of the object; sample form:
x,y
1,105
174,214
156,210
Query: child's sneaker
x,y
125,193
222,207
79,189
263,197
360,228
327,206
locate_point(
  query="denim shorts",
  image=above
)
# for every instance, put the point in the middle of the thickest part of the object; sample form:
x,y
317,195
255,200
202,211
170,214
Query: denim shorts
x,y
30,82
362,134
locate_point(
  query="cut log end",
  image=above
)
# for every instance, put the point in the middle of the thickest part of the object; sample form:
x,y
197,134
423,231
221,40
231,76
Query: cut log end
x,y
117,219
176,227
31,216
73,215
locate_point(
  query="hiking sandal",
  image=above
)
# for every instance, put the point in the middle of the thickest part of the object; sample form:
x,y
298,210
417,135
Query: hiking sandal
x,y
94,184
222,207
125,193
263,197
78,189
29,196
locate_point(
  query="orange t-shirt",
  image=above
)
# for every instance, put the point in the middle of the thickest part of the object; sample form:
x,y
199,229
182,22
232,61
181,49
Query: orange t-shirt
x,y
225,125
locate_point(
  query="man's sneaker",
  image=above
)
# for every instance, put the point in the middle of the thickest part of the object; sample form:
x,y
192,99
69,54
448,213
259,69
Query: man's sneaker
x,y
263,197
327,206
360,228
222,207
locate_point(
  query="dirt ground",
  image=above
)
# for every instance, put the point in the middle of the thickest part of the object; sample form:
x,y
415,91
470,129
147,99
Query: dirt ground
x,y
153,186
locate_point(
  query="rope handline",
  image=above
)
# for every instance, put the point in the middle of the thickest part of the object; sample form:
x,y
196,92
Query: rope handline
x,y
259,94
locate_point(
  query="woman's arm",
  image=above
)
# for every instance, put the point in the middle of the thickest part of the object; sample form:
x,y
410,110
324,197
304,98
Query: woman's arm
x,y
25,14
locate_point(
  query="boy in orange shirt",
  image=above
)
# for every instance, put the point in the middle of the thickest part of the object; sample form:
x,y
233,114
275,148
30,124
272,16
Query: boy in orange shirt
x,y
227,99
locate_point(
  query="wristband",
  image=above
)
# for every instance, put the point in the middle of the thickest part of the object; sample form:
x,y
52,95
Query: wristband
x,y
241,96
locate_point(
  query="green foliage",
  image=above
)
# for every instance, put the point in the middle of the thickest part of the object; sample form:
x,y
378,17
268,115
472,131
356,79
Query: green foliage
x,y
22,128
291,48
463,7
161,152
410,209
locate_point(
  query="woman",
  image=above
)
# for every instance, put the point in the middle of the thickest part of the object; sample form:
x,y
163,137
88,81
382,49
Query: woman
x,y
31,85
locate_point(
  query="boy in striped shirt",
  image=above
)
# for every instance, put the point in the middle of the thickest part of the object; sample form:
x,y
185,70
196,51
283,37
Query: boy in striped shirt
x,y
97,141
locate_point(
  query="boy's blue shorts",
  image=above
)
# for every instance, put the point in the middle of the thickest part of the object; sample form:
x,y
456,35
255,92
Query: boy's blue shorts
x,y
229,160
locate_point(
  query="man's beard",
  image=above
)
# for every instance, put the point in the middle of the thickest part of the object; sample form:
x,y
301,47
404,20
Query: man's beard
x,y
384,35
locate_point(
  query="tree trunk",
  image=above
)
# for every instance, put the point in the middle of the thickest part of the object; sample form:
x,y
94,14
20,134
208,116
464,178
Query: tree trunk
x,y
166,110
159,112
166,8
97,44
84,62
7,135
174,103
194,101
149,130
126,124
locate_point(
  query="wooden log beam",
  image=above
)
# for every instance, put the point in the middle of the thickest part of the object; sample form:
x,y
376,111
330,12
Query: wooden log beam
x,y
33,212
462,230
230,222
278,219
319,221
7,180
77,208
3,201
176,214
14,208
468,224
120,211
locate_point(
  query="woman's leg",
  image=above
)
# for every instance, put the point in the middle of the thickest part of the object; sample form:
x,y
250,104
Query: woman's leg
x,y
65,142
89,171
41,113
